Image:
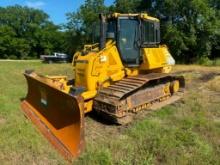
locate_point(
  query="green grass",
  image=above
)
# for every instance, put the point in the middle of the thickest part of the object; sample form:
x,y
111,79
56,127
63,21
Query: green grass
x,y
19,142
205,61
187,132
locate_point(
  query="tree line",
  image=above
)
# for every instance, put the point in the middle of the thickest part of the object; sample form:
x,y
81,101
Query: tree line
x,y
190,28
27,33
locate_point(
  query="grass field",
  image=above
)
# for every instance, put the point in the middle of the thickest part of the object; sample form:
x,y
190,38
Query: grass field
x,y
187,132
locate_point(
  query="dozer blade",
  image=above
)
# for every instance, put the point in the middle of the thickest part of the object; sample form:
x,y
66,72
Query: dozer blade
x,y
58,116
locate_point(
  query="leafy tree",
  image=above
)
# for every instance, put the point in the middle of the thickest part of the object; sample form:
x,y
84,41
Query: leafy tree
x,y
27,33
10,45
124,6
216,39
82,24
188,27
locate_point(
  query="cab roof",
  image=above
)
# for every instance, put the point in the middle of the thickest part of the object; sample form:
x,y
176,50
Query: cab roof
x,y
143,16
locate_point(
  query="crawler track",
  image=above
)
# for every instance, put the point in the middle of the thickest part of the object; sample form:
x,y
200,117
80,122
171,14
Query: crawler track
x,y
121,100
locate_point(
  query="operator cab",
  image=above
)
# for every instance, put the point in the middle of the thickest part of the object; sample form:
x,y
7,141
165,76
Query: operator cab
x,y
131,33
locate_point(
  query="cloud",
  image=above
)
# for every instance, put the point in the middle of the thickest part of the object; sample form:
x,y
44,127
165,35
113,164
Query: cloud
x,y
36,5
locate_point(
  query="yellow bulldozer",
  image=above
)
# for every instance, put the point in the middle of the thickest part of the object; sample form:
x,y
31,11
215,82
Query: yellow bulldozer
x,y
126,72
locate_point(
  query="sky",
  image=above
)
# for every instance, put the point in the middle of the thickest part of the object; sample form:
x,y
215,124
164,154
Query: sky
x,y
56,9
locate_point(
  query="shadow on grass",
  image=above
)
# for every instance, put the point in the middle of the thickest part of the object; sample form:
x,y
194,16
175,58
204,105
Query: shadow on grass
x,y
101,118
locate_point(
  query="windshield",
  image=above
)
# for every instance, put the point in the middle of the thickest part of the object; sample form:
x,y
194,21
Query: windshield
x,y
111,27
127,41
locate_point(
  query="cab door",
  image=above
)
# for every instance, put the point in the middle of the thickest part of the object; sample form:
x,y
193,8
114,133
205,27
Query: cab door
x,y
128,39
